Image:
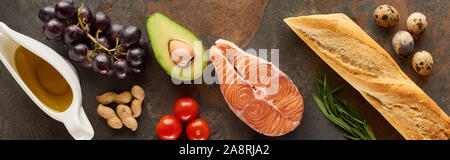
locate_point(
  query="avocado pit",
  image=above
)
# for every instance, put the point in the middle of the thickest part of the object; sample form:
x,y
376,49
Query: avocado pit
x,y
180,53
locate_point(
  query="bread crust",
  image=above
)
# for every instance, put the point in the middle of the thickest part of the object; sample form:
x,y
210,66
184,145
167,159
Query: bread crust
x,y
363,63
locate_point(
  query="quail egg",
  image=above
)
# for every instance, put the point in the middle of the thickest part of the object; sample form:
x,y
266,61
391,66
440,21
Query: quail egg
x,y
403,43
422,62
416,23
386,16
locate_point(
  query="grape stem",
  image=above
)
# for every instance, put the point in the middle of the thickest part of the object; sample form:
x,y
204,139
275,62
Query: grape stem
x,y
98,33
96,43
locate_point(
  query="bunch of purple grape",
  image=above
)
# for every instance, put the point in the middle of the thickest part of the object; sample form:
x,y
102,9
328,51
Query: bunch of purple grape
x,y
95,42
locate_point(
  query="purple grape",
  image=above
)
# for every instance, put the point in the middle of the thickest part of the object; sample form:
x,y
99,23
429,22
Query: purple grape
x,y
144,44
85,13
135,57
89,43
78,52
110,73
121,68
91,30
102,40
137,70
87,63
102,63
64,10
100,21
73,34
114,32
53,29
130,36
46,13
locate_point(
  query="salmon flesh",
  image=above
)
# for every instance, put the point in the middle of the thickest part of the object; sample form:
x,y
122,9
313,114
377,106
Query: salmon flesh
x,y
261,95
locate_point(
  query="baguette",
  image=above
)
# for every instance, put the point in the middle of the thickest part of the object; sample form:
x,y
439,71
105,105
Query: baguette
x,y
363,63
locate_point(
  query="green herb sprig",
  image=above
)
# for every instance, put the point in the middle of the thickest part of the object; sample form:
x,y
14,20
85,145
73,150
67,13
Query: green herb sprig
x,y
341,113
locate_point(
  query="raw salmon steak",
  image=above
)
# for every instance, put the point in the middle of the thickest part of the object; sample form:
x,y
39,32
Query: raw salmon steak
x,y
261,95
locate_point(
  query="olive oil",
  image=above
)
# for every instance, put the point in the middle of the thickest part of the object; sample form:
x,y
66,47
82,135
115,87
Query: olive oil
x,y
43,80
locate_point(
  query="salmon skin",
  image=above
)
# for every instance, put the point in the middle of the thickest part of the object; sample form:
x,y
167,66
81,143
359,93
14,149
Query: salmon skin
x,y
261,95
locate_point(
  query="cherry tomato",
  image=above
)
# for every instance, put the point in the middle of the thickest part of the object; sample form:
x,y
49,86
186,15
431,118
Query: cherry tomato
x,y
186,109
197,130
169,128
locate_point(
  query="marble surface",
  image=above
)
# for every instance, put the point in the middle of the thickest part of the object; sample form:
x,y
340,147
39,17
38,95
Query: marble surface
x,y
253,24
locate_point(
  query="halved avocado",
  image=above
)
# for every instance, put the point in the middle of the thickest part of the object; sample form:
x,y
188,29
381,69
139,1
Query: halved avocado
x,y
161,30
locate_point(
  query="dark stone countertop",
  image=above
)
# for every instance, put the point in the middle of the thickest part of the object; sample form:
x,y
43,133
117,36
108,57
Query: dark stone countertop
x,y
251,24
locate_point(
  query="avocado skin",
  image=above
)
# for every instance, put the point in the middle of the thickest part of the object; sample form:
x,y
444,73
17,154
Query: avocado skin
x,y
161,29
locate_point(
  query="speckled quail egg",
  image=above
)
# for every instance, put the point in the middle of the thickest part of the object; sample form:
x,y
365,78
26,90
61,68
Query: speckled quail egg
x,y
403,43
416,23
422,62
386,16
